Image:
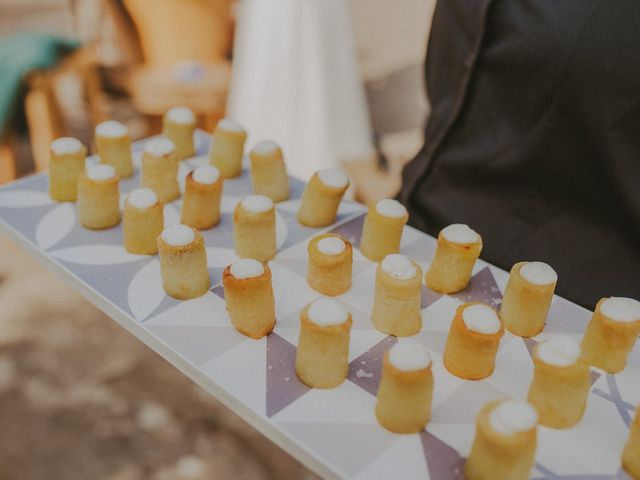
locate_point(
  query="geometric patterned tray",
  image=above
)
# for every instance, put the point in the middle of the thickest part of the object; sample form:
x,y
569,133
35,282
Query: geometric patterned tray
x,y
333,432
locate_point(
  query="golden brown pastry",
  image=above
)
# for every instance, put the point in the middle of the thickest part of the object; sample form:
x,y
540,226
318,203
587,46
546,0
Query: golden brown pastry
x,y
160,169
254,228
65,166
396,305
631,454
611,333
457,251
323,346
527,298
560,383
472,344
143,222
268,171
321,198
382,229
202,196
227,148
249,296
98,198
183,262
113,144
406,388
178,125
330,263
504,447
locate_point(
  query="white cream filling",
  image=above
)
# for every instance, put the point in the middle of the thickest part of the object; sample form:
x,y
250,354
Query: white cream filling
x,y
142,198
111,128
181,115
246,268
538,273
206,174
398,266
511,417
326,312
559,351
159,146
408,356
257,203
66,146
178,235
391,208
101,172
264,147
230,125
460,233
332,177
331,245
621,309
481,319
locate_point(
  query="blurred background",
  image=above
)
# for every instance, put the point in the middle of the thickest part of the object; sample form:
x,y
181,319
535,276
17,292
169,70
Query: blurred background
x,y
335,82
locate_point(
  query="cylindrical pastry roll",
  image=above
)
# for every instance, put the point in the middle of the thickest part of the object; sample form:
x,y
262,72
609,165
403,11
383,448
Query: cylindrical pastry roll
x,y
396,305
472,344
382,229
330,263
160,169
178,125
406,388
227,148
457,251
631,454
183,262
527,298
611,333
504,447
254,228
560,383
202,195
249,296
268,171
113,144
321,198
323,345
143,222
65,166
98,198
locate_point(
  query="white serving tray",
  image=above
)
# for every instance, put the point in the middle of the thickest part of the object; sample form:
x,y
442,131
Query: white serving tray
x,y
333,432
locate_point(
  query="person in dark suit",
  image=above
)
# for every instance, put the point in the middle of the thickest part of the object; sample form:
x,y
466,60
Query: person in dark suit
x,y
534,137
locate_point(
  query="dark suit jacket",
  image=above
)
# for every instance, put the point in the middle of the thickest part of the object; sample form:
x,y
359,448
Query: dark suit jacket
x,y
534,137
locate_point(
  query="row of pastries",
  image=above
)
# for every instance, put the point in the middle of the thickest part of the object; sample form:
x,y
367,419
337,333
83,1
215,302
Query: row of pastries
x,y
505,442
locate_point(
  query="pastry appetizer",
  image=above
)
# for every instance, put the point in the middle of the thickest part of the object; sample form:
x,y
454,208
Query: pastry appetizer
x,y
178,125
321,198
249,297
631,454
254,228
183,262
527,298
98,197
611,333
202,195
330,262
382,229
505,443
268,171
113,144
227,148
143,222
472,344
406,388
160,169
396,305
560,383
457,251
65,166
323,345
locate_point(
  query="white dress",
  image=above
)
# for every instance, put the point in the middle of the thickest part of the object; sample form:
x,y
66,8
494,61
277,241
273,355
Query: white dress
x,y
295,80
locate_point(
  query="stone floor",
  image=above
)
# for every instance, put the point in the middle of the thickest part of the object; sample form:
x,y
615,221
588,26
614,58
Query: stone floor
x,y
80,398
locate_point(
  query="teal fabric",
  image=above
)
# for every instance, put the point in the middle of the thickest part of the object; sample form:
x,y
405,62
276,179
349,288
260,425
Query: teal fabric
x,y
19,55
